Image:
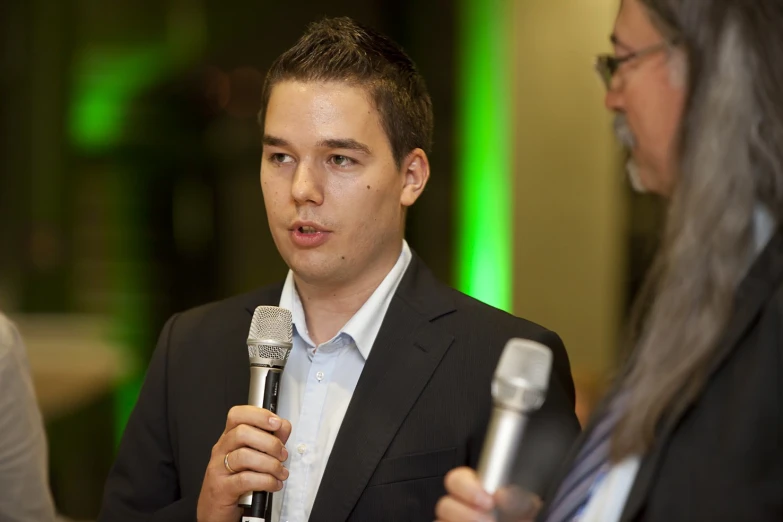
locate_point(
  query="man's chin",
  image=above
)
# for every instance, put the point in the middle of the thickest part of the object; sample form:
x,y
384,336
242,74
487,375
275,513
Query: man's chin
x,y
313,270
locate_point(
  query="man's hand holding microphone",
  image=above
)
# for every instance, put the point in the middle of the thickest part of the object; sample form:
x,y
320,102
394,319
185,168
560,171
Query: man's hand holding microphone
x,y
248,456
518,389
246,465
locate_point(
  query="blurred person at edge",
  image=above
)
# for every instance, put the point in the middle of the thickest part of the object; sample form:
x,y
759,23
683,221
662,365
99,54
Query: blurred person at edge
x,y
692,430
387,386
24,475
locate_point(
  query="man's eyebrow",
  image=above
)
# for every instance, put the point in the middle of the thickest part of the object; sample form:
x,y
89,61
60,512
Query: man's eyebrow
x,y
274,141
345,143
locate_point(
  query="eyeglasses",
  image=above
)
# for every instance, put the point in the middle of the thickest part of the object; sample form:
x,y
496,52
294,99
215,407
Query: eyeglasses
x,y
606,65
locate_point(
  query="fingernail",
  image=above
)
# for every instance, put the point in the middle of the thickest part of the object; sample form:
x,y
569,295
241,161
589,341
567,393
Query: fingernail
x,y
274,422
279,485
285,454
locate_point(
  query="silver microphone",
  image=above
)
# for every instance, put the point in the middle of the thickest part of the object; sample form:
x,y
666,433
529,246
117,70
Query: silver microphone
x,y
268,344
518,388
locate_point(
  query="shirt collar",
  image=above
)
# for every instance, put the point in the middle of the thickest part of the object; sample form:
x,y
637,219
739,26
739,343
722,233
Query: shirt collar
x,y
363,327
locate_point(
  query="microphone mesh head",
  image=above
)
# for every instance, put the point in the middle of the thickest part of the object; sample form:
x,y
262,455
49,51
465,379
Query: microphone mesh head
x,y
271,333
522,375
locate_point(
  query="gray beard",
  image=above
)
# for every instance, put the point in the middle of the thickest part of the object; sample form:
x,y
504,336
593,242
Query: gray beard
x,y
626,138
632,169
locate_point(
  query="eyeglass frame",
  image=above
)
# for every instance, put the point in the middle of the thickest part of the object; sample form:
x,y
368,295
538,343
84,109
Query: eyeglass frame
x,y
606,64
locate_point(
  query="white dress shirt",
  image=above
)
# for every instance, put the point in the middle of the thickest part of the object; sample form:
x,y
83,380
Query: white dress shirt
x,y
24,476
317,386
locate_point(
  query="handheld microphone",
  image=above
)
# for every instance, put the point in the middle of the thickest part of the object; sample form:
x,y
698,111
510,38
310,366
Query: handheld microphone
x,y
268,344
518,388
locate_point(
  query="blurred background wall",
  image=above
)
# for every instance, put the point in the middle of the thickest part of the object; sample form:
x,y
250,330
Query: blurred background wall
x,y
570,213
129,183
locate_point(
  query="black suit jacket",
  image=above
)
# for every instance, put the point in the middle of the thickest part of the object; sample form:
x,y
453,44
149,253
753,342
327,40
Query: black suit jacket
x,y
722,459
420,408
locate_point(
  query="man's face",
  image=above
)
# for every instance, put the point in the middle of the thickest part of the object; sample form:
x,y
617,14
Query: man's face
x,y
649,94
334,196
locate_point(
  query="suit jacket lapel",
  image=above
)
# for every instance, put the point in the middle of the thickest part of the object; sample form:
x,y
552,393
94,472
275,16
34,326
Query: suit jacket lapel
x,y
753,292
405,354
235,357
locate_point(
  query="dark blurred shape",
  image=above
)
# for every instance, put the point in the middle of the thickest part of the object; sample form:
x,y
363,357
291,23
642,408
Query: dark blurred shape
x,y
217,88
245,83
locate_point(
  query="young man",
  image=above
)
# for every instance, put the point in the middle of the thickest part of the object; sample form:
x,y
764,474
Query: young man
x,y
388,383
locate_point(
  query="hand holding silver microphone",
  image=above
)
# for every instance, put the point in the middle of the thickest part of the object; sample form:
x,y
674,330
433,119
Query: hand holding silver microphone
x,y
250,453
519,388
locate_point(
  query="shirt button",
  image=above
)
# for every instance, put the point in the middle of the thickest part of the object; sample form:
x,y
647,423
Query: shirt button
x,y
319,376
301,448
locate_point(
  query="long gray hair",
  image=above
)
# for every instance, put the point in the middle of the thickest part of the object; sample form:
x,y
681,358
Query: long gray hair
x,y
731,159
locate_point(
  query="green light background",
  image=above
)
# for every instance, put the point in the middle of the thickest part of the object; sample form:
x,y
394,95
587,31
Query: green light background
x,y
105,82
484,233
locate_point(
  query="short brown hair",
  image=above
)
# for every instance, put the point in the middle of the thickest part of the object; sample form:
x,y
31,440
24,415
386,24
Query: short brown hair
x,y
340,49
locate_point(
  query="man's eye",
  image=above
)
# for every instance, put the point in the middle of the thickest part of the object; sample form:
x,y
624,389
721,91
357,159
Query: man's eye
x,y
342,161
279,157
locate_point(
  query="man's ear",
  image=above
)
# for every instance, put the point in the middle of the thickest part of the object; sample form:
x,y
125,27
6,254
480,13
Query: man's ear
x,y
416,173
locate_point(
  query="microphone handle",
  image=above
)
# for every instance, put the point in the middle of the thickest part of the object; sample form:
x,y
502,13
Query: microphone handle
x,y
264,390
500,448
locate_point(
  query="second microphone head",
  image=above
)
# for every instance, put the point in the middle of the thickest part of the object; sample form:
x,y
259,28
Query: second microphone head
x,y
522,376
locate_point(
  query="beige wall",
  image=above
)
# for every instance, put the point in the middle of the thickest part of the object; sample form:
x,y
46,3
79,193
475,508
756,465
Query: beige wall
x,y
569,208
